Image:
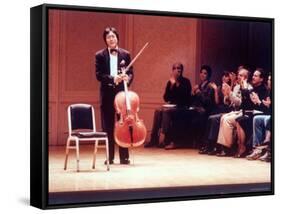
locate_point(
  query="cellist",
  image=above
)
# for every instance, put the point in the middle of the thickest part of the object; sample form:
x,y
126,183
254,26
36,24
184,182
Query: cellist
x,y
108,65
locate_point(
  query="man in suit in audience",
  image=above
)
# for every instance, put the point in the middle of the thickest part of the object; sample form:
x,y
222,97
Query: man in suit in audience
x,y
177,93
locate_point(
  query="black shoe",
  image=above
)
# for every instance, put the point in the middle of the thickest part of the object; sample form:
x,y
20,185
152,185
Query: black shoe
x,y
110,162
161,145
125,161
203,152
170,146
213,152
223,153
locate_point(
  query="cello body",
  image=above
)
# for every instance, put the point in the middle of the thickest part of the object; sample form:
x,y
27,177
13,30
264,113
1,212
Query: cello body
x,y
129,130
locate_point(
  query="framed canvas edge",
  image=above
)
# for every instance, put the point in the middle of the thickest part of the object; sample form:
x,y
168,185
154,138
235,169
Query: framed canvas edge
x,y
39,106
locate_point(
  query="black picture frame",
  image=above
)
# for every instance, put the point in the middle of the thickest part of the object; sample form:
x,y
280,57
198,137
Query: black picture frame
x,y
39,156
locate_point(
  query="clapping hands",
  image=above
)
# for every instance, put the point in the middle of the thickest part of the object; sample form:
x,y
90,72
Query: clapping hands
x,y
196,89
213,86
255,98
267,102
226,89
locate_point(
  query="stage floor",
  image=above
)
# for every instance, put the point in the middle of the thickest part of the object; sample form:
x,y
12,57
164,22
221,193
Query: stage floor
x,y
149,168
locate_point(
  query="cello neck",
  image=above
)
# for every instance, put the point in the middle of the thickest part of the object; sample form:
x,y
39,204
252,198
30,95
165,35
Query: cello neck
x,y
128,104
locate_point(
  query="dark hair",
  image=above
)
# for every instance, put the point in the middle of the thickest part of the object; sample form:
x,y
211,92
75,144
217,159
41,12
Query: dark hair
x,y
226,73
181,66
108,30
208,69
263,74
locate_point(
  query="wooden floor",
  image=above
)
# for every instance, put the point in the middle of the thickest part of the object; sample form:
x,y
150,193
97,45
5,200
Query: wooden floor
x,y
151,167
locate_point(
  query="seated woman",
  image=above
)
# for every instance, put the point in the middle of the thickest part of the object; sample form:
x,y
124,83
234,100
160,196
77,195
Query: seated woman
x,y
178,93
204,103
211,133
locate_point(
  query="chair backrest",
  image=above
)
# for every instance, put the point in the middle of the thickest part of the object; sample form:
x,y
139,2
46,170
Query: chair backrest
x,y
81,116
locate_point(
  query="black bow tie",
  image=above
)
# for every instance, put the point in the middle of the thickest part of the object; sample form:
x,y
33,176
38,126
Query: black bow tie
x,y
113,50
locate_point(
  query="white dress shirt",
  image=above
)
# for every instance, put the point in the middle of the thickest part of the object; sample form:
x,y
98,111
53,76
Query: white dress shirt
x,y
113,64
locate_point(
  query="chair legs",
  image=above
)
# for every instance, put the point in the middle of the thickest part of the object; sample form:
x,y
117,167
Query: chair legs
x,y
96,144
66,153
76,147
95,153
77,153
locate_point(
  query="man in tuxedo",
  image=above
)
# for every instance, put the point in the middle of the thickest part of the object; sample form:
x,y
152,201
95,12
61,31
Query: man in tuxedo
x,y
109,62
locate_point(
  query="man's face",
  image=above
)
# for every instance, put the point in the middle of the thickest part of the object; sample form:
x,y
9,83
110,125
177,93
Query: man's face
x,y
176,71
256,79
111,40
203,75
225,79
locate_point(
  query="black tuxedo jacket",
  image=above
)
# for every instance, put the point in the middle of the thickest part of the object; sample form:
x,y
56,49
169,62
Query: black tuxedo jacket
x,y
103,69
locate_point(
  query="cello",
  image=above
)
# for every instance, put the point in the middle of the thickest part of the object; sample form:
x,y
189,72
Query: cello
x,y
129,130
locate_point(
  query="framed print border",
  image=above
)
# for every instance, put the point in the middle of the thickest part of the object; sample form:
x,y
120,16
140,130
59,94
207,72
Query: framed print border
x,y
40,122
